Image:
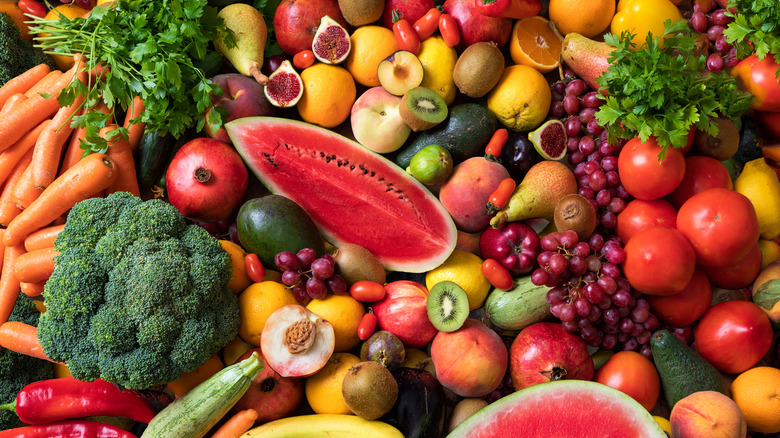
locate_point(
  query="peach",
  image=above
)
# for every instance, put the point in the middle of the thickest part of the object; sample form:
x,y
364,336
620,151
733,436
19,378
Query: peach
x,y
376,121
400,72
466,192
707,414
241,97
471,361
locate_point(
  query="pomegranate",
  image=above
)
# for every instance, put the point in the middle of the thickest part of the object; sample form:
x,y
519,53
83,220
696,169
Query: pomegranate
x,y
296,22
475,27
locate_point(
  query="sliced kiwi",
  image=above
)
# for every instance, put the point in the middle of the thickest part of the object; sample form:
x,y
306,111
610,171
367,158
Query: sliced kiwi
x,y
369,390
575,212
448,306
478,69
422,108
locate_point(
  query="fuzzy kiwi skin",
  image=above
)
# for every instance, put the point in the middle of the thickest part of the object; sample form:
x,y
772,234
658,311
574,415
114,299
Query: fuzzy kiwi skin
x,y
369,390
478,69
355,263
360,12
464,409
575,212
721,146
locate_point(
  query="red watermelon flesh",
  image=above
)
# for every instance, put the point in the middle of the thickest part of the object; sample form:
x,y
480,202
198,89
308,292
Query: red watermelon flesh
x,y
352,194
562,408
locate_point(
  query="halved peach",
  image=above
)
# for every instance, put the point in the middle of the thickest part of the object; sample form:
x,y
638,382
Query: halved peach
x,y
296,342
400,72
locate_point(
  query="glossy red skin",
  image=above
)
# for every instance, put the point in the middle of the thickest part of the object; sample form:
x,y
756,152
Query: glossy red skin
x,y
32,7
475,27
241,97
643,175
515,245
686,306
721,225
758,78
403,312
254,267
412,10
740,274
271,395
633,374
733,335
544,347
640,214
367,291
701,173
497,274
296,21
659,261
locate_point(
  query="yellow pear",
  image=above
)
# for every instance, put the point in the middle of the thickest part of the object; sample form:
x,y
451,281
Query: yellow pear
x,y
250,34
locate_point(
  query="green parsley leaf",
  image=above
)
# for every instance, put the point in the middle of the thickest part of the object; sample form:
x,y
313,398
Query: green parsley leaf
x,y
755,28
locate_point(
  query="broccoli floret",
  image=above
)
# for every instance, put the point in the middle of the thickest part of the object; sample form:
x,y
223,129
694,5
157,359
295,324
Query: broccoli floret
x,y
16,54
138,295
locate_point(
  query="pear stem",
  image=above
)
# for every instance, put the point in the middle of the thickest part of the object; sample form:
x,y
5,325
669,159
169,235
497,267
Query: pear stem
x,y
258,75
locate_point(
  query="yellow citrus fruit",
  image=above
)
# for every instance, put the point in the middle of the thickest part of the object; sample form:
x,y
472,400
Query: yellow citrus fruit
x,y
70,11
770,251
438,61
11,7
586,17
256,303
464,269
370,45
757,393
664,423
344,314
323,389
534,44
328,94
521,99
240,279
761,185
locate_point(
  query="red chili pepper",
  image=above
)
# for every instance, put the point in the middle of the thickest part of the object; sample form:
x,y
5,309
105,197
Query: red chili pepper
x,y
47,401
497,274
254,268
367,326
496,143
501,195
68,429
508,8
32,7
303,59
405,36
426,25
448,28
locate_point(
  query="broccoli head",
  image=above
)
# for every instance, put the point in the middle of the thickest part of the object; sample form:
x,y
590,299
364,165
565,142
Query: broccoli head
x,y
138,295
16,54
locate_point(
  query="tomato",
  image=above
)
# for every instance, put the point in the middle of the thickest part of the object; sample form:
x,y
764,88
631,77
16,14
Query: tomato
x,y
701,173
640,214
721,225
405,36
733,335
659,250
497,274
646,177
634,375
740,274
254,268
497,142
448,28
758,78
366,326
686,306
32,7
426,25
501,195
367,291
303,59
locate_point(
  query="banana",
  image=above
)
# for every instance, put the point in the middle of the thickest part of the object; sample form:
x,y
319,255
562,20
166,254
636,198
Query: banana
x,y
324,425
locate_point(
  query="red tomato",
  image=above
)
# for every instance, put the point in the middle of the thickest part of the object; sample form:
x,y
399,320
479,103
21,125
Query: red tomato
x,y
254,268
721,225
367,291
733,335
643,175
366,326
685,307
659,250
632,374
426,25
448,27
497,274
758,78
740,274
640,214
303,59
405,36
701,173
32,7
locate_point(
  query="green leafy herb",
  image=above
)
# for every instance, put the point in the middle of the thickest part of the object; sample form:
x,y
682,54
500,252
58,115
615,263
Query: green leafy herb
x,y
663,91
755,28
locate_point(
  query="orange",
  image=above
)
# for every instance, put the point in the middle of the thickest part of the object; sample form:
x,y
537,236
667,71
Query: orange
x,y
240,279
11,7
256,303
521,99
323,389
757,393
586,17
344,314
70,11
534,44
370,45
328,94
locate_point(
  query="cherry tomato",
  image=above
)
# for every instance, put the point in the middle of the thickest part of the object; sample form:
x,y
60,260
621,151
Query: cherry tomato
x,y
740,274
501,195
366,326
685,307
426,25
634,375
303,59
448,28
721,225
758,78
654,250
643,175
497,142
640,214
405,36
367,291
701,173
497,274
254,269
733,335
32,7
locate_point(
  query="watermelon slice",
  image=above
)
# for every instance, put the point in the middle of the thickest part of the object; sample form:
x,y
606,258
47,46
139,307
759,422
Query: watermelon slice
x,y
562,408
352,194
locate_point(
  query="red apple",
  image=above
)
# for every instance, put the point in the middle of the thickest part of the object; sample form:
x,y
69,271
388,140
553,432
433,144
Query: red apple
x,y
475,27
296,22
403,312
241,97
515,245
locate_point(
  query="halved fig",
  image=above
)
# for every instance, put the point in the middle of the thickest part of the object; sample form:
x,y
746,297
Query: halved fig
x,y
284,87
550,139
296,342
331,43
400,72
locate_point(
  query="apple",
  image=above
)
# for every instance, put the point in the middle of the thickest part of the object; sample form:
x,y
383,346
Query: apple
x,y
475,27
296,21
241,97
376,121
403,312
515,245
400,72
270,394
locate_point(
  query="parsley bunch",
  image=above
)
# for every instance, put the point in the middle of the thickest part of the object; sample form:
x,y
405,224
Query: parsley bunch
x,y
150,47
755,29
662,92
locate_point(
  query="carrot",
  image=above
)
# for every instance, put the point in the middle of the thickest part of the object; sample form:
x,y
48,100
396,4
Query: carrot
x,y
23,82
9,284
74,151
35,266
89,176
238,424
44,83
25,191
21,338
8,207
43,238
134,130
32,289
12,155
48,148
122,154
11,103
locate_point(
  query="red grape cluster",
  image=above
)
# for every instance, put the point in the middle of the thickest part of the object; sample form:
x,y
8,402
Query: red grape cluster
x,y
711,24
309,276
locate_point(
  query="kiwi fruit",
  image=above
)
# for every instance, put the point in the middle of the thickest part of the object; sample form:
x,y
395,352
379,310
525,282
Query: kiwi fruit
x,y
360,12
575,212
369,390
422,108
355,263
721,146
464,409
478,69
448,306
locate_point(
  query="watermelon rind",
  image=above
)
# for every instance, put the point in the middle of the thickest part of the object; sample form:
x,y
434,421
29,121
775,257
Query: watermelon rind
x,y
563,408
353,195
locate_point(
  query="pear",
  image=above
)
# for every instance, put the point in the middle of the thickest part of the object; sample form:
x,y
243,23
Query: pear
x,y
250,33
586,57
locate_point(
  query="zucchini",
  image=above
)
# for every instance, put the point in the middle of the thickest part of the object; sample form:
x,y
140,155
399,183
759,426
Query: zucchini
x,y
150,157
518,307
195,413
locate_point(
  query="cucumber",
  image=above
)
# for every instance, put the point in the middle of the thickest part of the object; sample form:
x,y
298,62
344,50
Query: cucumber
x,y
195,413
682,370
518,307
150,157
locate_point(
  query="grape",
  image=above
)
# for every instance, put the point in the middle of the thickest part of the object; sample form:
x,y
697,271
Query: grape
x,y
566,312
555,308
583,181
579,170
719,17
86,4
652,323
577,265
644,337
316,288
576,87
586,115
573,144
593,292
573,126
588,332
336,284
593,127
615,254
556,294
586,145
591,100
607,284
558,87
715,62
610,316
626,325
306,256
595,314
581,249
646,351
630,344
715,32
608,219
300,294
721,45
286,260
569,239
698,22
586,192
603,197
590,167
606,149
544,258
558,264
576,157
570,326
557,109
290,277
596,241
322,268
550,242
540,277
582,307
609,342
598,180
612,178
571,104
621,298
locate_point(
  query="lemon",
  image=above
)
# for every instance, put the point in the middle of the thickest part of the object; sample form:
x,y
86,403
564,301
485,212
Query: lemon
x,y
760,184
770,251
464,269
521,99
438,61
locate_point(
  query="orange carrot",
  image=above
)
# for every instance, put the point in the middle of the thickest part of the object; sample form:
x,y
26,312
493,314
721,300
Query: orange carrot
x,y
237,425
23,82
9,284
25,191
135,130
11,103
12,155
8,207
43,238
44,83
74,151
89,176
21,338
35,266
48,148
32,289
122,154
